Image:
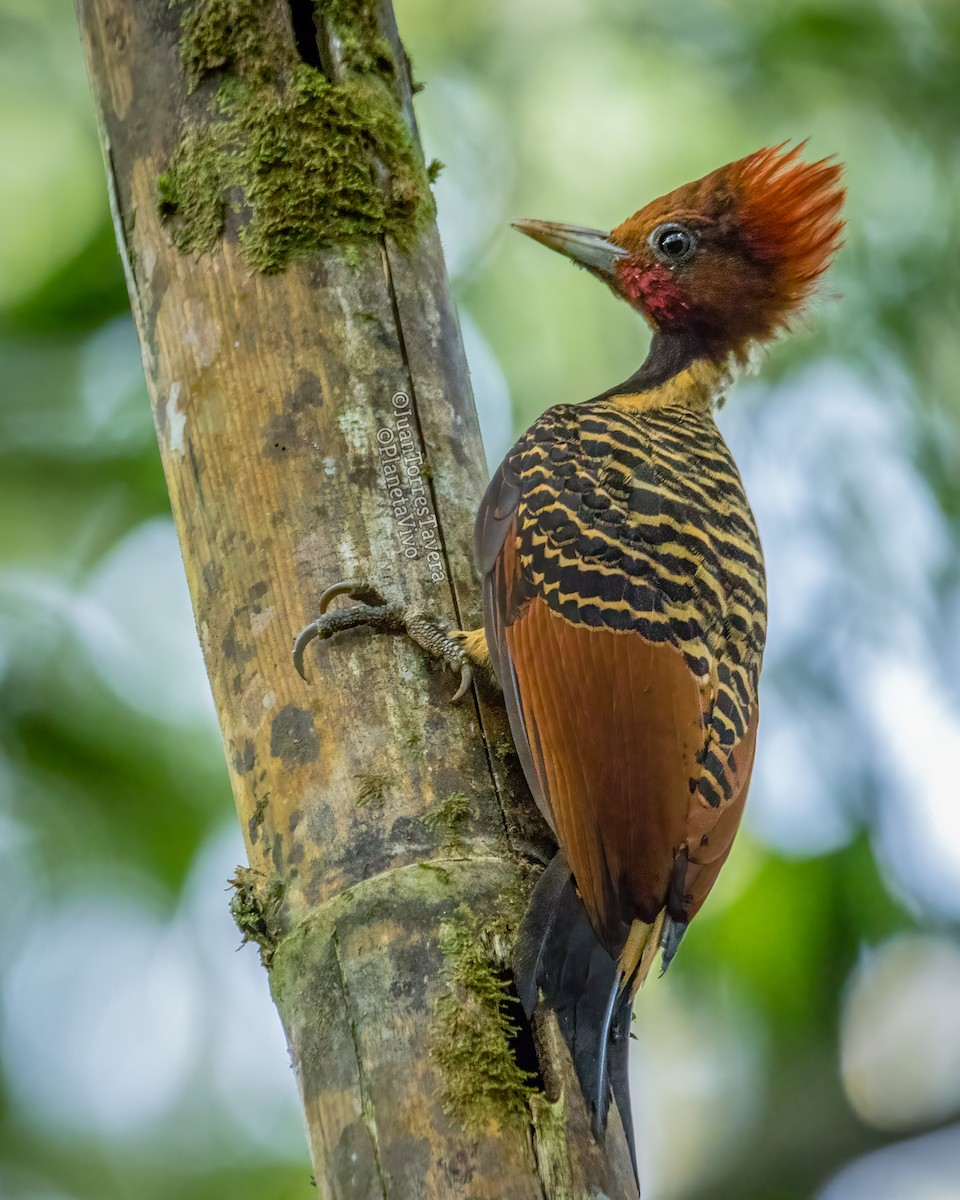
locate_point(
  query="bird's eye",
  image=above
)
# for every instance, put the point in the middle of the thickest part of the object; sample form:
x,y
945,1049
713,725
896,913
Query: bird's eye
x,y
673,243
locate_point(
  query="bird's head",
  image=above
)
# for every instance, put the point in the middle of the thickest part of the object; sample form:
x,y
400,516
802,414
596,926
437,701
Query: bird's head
x,y
726,261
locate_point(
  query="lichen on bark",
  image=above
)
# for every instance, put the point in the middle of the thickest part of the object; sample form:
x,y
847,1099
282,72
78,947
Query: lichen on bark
x,y
306,161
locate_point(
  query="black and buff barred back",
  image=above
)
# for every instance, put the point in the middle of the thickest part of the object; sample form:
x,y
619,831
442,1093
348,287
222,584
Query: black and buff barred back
x,y
636,519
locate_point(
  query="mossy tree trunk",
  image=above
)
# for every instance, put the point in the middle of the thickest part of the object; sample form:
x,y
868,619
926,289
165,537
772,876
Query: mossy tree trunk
x,y
315,423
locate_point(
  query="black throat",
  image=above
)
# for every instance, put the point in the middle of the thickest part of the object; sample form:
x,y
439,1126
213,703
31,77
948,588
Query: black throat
x,y
669,354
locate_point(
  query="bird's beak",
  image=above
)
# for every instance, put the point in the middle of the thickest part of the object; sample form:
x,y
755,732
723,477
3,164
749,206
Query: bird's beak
x,y
591,248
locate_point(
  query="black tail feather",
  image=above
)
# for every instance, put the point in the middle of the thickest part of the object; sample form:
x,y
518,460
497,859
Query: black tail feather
x,y
536,932
558,955
619,1057
673,931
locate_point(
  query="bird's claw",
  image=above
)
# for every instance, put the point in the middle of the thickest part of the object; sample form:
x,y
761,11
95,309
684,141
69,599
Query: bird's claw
x,y
466,679
438,643
371,609
363,593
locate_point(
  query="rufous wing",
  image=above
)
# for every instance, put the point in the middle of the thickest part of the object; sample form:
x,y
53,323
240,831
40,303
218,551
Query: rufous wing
x,y
611,731
610,728
619,725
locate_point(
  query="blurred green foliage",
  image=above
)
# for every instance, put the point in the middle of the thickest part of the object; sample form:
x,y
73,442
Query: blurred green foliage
x,y
113,797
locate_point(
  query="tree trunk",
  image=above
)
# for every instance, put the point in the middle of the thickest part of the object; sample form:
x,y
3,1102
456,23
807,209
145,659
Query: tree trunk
x,y
315,422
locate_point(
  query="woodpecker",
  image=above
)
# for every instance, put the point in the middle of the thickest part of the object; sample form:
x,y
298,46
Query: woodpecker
x,y
624,598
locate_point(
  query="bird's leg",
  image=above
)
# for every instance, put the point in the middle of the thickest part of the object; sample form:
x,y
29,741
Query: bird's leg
x,y
458,650
473,643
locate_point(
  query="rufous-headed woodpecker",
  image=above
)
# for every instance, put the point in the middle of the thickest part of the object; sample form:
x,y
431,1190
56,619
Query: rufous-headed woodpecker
x,y
624,599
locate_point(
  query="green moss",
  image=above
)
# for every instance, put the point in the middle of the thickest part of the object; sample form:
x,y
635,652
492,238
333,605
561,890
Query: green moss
x,y
190,196
306,169
307,162
450,819
371,789
229,35
434,167
255,906
239,35
471,1034
361,45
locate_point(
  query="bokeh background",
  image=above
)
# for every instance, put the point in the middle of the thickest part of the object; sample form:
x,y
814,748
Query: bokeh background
x,y
807,1042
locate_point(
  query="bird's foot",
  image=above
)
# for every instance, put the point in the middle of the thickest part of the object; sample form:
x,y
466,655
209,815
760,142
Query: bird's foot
x,y
372,610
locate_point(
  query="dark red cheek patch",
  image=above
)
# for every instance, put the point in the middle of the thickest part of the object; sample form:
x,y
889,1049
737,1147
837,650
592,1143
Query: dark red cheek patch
x,y
654,288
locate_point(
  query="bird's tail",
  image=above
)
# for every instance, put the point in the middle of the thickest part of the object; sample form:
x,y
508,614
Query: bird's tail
x,y
558,954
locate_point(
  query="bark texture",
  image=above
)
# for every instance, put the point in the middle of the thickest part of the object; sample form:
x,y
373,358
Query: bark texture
x,y
310,394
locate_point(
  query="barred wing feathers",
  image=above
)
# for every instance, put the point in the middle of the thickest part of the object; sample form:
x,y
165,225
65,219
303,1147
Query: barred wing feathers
x,y
624,608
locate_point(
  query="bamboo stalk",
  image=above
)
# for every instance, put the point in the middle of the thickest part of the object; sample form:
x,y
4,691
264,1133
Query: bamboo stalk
x,y
315,422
